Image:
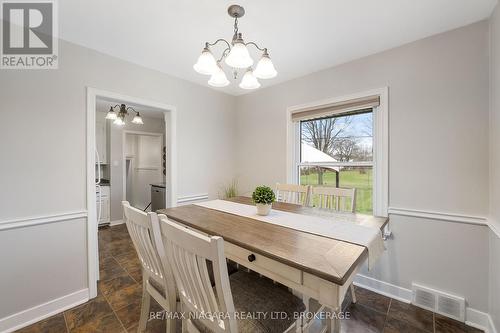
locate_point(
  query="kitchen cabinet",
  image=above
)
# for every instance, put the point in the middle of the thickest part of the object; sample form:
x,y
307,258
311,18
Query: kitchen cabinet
x,y
105,208
103,204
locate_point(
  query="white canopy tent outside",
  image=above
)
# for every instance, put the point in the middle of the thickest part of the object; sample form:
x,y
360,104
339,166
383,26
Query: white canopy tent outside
x,y
310,154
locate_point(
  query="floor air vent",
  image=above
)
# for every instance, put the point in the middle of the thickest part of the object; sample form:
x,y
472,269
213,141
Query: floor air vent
x,y
439,302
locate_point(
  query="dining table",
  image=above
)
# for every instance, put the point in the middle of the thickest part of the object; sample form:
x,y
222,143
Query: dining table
x,y
313,266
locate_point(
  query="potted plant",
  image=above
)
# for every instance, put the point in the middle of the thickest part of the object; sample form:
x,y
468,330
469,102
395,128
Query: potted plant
x,y
263,196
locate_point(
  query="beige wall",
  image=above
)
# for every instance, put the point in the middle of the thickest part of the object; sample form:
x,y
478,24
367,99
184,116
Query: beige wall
x,y
43,135
495,166
41,263
438,111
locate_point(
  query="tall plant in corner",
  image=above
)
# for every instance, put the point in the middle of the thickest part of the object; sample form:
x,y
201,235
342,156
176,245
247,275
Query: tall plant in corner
x,y
230,190
263,196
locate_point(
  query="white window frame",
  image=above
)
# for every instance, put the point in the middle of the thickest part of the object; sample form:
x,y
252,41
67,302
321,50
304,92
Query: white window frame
x,y
380,145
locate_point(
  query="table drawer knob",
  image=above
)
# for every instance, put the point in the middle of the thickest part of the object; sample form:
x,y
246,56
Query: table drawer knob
x,y
251,257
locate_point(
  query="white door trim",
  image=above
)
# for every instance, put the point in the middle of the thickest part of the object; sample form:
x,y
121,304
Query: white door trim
x,y
381,148
170,116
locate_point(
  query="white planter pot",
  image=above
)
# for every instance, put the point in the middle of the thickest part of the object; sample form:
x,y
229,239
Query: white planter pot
x,y
263,209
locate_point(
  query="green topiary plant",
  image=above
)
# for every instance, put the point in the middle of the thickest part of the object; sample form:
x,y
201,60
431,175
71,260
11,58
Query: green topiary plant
x,y
263,195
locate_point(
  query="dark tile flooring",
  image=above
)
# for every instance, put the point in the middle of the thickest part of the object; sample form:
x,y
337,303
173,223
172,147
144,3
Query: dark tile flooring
x,y
117,306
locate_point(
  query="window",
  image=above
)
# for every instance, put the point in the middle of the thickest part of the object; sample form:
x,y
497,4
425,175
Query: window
x,y
337,151
342,142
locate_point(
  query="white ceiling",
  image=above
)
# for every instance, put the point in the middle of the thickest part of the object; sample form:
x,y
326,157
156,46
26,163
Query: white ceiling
x,y
302,36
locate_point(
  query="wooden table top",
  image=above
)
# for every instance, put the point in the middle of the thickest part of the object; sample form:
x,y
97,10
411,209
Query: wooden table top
x,y
328,258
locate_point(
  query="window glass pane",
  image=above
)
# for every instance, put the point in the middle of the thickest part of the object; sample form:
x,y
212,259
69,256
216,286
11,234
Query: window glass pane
x,y
338,139
360,178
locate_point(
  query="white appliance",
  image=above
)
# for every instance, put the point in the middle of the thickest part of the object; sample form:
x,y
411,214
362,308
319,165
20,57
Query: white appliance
x,y
102,196
102,202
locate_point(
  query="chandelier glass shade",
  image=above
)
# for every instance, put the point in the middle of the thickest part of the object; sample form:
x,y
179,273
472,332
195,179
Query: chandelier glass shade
x,y
111,115
249,81
206,63
237,56
119,122
119,118
265,68
137,119
218,78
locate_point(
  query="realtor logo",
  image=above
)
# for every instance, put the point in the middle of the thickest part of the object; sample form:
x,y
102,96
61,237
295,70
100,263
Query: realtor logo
x,y
29,35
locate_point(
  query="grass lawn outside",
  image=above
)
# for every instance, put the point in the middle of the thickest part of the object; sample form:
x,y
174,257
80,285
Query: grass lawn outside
x,y
360,178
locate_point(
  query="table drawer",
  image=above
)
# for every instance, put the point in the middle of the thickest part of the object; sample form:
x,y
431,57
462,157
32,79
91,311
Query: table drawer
x,y
262,264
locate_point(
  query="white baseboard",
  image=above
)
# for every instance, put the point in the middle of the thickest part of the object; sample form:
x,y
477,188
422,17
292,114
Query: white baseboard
x,y
491,326
42,311
384,288
116,222
473,317
479,320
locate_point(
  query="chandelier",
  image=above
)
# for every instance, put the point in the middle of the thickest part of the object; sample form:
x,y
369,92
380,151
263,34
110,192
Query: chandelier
x,y
119,118
236,56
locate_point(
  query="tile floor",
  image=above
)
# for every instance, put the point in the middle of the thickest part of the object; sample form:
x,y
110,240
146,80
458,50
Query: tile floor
x,y
117,306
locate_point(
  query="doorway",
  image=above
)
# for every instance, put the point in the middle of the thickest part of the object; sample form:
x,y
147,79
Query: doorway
x,y
168,115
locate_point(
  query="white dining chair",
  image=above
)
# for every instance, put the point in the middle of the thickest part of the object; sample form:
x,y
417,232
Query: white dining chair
x,y
337,199
187,252
157,280
293,193
334,198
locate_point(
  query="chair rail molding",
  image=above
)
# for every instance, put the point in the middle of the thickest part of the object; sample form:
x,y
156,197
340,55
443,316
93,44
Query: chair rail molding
x,y
41,219
187,199
442,216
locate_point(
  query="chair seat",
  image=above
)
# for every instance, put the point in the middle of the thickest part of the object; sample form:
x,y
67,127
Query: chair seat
x,y
254,295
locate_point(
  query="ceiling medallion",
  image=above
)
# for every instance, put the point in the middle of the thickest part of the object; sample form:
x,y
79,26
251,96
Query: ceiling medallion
x,y
236,56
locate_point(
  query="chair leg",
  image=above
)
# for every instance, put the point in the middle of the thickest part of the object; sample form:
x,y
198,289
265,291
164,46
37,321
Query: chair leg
x,y
145,304
298,326
353,293
170,325
185,321
304,322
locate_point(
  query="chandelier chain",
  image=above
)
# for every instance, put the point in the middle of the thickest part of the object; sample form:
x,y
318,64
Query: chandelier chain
x,y
235,26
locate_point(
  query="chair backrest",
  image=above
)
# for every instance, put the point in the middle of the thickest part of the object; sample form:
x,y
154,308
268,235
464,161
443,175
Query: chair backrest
x,y
293,193
187,252
139,226
339,199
